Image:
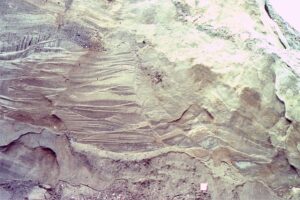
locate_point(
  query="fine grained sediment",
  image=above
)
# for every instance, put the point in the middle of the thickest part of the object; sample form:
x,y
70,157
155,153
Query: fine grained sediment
x,y
147,100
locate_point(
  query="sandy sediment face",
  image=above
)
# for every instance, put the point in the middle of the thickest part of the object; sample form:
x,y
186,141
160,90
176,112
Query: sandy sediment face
x,y
147,100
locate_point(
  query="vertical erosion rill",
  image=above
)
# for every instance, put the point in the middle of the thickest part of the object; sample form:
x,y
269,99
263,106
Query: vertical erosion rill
x,y
147,100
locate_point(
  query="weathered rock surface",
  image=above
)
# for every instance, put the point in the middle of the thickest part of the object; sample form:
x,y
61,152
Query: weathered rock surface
x,y
125,99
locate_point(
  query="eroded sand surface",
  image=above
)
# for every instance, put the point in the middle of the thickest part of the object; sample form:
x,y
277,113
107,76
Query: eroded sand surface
x,y
147,99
